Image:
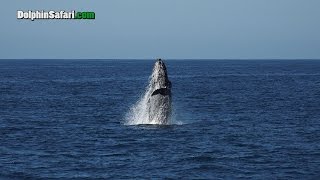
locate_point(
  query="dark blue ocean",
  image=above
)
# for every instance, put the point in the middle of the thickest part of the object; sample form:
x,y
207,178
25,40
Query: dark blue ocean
x,y
65,119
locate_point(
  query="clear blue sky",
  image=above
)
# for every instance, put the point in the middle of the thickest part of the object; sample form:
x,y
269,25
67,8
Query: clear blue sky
x,y
172,29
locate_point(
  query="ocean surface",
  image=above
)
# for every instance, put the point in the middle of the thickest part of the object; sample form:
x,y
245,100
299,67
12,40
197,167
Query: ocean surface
x,y
65,119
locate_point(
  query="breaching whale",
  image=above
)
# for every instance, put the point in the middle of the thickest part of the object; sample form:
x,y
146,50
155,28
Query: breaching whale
x,y
159,100
154,107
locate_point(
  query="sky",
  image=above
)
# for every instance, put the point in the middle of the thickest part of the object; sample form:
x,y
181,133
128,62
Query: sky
x,y
170,29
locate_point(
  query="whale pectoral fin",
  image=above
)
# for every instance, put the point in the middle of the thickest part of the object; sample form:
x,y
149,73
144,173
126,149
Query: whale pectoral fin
x,y
162,91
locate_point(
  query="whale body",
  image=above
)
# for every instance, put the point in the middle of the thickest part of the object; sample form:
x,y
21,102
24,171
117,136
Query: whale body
x,y
159,100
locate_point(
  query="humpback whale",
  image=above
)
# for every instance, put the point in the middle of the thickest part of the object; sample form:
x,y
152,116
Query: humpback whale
x,y
154,107
159,100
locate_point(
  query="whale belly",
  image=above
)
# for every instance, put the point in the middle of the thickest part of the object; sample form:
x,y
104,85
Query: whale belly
x,y
160,108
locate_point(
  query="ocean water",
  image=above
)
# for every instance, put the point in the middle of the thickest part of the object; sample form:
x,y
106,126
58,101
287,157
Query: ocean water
x,y
65,119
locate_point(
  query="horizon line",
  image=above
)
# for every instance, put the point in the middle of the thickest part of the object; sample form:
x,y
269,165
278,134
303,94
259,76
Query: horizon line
x,y
159,58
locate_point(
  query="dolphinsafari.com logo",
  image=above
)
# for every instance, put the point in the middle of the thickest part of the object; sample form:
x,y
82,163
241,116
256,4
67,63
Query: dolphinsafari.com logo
x,y
32,15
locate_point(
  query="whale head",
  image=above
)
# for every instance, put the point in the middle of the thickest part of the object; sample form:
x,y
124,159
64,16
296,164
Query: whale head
x,y
159,79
